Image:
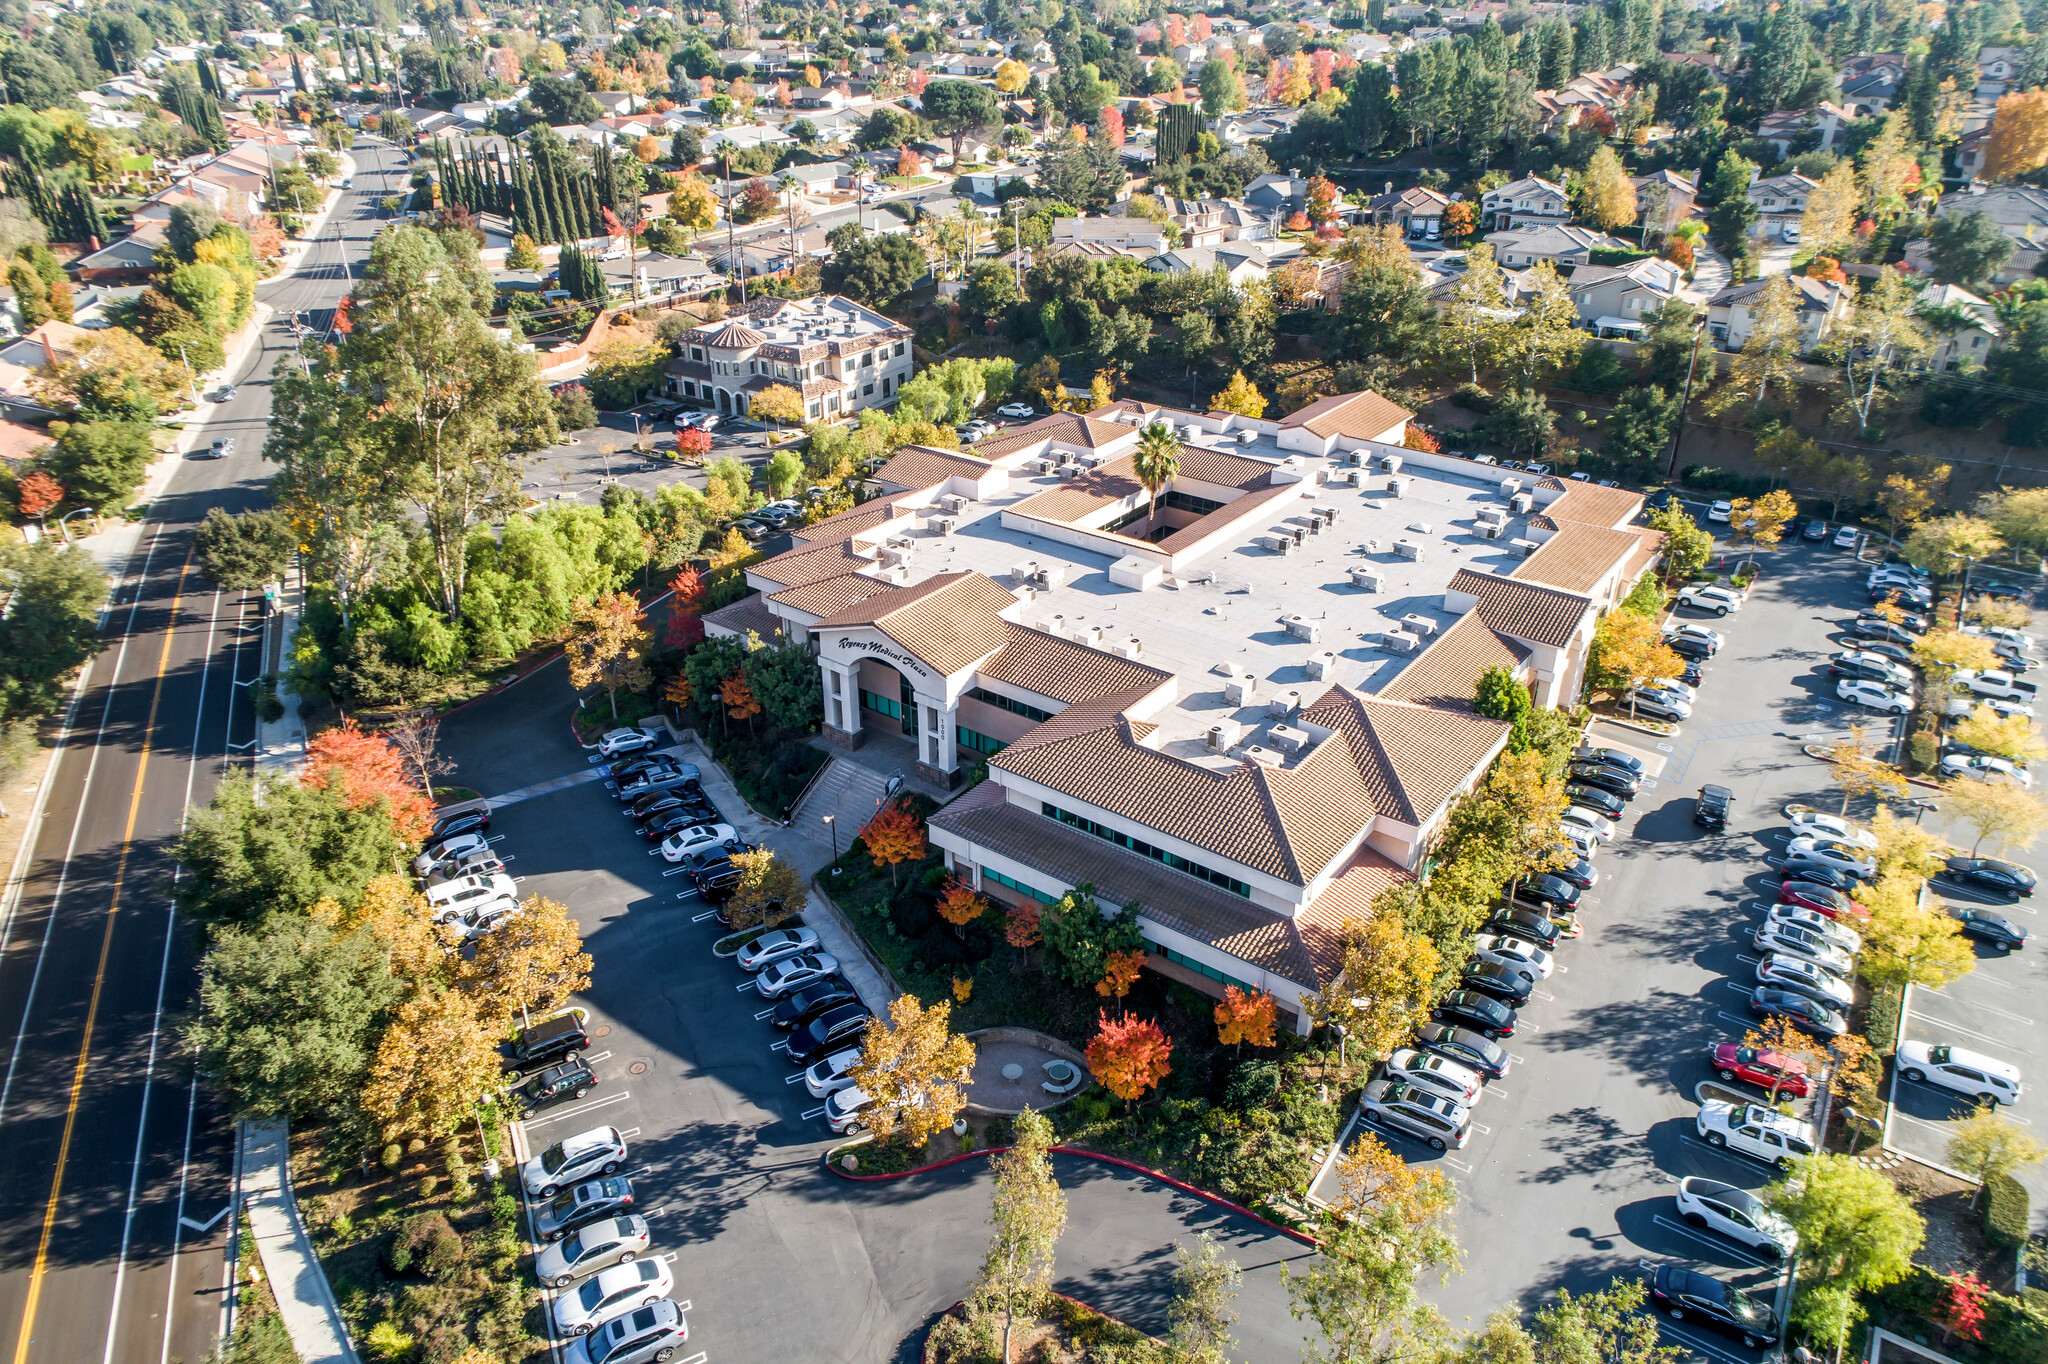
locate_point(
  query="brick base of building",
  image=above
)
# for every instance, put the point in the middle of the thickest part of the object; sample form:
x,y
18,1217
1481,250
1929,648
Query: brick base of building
x,y
832,734
933,776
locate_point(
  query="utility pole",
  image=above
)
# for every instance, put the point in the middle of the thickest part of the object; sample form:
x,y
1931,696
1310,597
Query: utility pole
x,y
1699,329
1017,249
191,379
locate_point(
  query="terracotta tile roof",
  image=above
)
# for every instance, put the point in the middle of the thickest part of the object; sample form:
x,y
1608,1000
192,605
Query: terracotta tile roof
x,y
748,613
1174,900
1068,428
1065,670
948,621
1551,483
1221,468
831,595
920,466
1384,758
735,336
811,564
1124,405
852,521
1578,556
1595,505
1541,615
1361,416
1348,900
1447,672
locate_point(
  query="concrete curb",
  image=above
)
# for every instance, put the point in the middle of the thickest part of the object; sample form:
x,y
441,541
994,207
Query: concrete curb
x,y
1082,1153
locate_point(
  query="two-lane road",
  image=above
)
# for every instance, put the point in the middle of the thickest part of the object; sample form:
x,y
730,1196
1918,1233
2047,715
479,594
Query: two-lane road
x,y
118,1164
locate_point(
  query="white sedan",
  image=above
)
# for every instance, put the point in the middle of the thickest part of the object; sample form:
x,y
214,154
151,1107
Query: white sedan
x,y
1984,767
793,973
1828,852
1524,959
1579,817
1873,695
830,1075
696,838
1830,931
1426,1070
1817,824
1845,538
1720,511
620,742
1018,410
1962,707
1694,630
619,1289
770,948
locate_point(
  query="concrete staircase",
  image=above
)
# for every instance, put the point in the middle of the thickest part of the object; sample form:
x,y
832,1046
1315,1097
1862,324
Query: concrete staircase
x,y
847,791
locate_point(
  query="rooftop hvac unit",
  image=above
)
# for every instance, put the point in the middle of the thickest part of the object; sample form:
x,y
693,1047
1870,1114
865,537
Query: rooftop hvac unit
x,y
945,525
1399,642
1223,737
1520,503
1408,549
898,574
1264,757
1050,576
1089,634
1301,627
1300,525
951,503
894,556
1368,578
1510,486
1247,437
1130,646
1359,458
1276,544
1524,547
1327,513
1070,471
1024,572
1190,431
1024,592
1490,529
1391,463
1241,691
1492,514
1283,704
1322,666
1288,739
1398,486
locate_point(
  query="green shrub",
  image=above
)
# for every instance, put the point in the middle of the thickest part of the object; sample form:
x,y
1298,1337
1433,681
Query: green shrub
x,y
429,1183
391,1155
1883,1022
387,1344
2005,1211
1923,749
342,1227
1473,398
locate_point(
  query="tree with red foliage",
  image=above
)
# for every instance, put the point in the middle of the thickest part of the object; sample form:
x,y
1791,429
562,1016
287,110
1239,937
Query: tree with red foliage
x,y
1128,1055
1827,268
1597,121
960,905
1176,32
685,619
908,162
368,768
1020,928
1678,250
38,494
1242,1017
1322,200
1322,68
916,81
1962,1312
343,324
894,835
782,95
1113,125
695,441
1201,30
1297,222
1418,439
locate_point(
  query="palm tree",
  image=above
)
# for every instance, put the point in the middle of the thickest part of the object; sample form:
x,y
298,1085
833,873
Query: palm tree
x,y
1156,460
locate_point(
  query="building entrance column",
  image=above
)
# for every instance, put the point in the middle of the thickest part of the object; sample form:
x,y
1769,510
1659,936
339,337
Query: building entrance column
x,y
842,705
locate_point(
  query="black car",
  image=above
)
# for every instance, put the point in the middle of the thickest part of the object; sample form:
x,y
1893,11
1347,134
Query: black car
x,y
716,880
1839,881
799,1007
1684,1295
625,769
1609,757
647,800
1808,1015
1710,807
2006,878
1606,802
1527,925
827,1033
1689,646
545,1043
1997,590
1694,674
1578,872
1508,986
674,821
588,1202
1481,1013
2001,932
1465,1047
664,803
571,1079
475,822
1659,500
1545,889
1868,670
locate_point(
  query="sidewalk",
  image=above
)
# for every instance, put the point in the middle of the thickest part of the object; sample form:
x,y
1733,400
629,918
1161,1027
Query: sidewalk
x,y
304,243
304,1300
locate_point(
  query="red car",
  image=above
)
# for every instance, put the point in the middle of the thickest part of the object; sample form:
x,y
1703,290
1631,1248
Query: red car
x,y
1761,1068
1820,899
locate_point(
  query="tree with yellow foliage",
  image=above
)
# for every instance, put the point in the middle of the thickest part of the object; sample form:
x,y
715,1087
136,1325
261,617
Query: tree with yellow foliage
x,y
1383,987
1370,1182
2009,817
1905,942
607,647
1241,396
912,1068
1831,208
437,1058
770,890
530,963
2012,737
1607,196
1760,523
2019,136
1858,770
417,950
1012,76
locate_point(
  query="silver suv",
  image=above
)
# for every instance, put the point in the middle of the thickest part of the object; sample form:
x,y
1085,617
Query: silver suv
x,y
1430,1118
651,1333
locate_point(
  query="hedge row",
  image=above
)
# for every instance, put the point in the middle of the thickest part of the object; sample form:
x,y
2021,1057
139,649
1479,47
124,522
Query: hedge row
x,y
2014,1332
2005,1211
1883,1024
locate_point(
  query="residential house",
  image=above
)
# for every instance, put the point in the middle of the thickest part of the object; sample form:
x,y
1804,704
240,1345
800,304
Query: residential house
x,y
1998,68
2021,212
840,355
1531,200
1279,195
1558,243
1240,261
1871,95
1127,236
1618,300
1779,200
131,260
1966,328
1418,212
1663,201
1824,127
1818,305
1211,222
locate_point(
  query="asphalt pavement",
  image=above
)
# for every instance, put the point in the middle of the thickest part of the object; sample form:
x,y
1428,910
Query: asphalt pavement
x,y
119,1170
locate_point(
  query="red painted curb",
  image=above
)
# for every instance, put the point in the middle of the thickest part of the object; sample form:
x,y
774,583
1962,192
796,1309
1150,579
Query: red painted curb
x,y
1146,1170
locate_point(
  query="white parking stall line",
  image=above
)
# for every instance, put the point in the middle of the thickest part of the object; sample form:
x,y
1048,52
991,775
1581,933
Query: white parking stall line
x,y
1774,861
810,1113
1562,969
684,1306
1524,1023
654,1212
1746,959
700,918
697,1358
654,852
686,895
508,857
593,1060
631,1131
496,838
1458,1165
745,986
1739,1022
1664,748
1694,1342
760,1014
779,1046
1745,991
672,871
671,1257
1495,1088
1719,1243
1518,1058
2002,1013
1976,978
1957,1027
1545,996
794,1078
606,1102
1482,1129
644,1169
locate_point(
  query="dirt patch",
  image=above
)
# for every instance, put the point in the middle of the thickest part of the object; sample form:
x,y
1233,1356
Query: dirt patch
x,y
1955,1231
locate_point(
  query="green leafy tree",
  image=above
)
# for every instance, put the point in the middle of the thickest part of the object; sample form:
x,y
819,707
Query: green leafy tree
x,y
1639,431
268,844
1988,1146
289,1013
784,679
1607,1327
1857,1232
1942,545
1967,248
100,463
1079,937
50,627
1204,1284
246,549
1157,459
959,109
1686,547
1027,1212
1500,697
869,268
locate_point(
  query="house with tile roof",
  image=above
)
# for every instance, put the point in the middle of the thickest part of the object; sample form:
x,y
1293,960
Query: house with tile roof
x,y
840,356
1558,243
1818,304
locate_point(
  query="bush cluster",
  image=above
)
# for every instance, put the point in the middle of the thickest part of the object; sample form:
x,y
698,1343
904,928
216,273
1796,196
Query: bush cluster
x,y
2005,1211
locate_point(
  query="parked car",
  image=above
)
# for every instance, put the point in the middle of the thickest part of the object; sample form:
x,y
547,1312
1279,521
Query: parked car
x,y
600,1245
1828,852
1613,779
1426,1070
695,838
773,946
1996,684
1802,1011
1579,872
1873,696
452,827
1820,899
1581,817
1988,926
1658,705
1816,529
689,815
1483,1014
1525,959
1609,757
1845,538
1801,976
620,742
796,973
1766,1070
1019,411
1789,940
1406,1108
1477,1053
1686,646
829,1075
1809,822
801,1006
1526,924
830,1031
1719,600
448,852
571,1079
1720,510
612,1293
580,1206
1686,629
1970,1073
1842,881
1687,1295
1985,767
1737,1214
1863,666
601,1150
1756,1131
646,1335
545,1043
843,1110
1710,807
1878,628
1606,802
1508,986
1542,888
1830,931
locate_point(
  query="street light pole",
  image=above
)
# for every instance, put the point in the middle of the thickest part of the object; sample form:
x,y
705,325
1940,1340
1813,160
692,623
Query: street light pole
x,y
829,824
1962,596
1699,329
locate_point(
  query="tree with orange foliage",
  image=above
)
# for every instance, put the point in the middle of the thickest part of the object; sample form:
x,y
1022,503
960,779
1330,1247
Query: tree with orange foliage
x,y
1297,222
739,698
1678,250
1415,438
2019,135
368,768
1458,221
1113,125
1201,30
1120,971
894,835
1128,1055
1826,268
916,81
782,95
685,619
1322,200
1020,928
960,905
38,494
607,647
908,162
1242,1017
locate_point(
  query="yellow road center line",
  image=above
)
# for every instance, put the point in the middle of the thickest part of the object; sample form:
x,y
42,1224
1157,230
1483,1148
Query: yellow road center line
x,y
99,980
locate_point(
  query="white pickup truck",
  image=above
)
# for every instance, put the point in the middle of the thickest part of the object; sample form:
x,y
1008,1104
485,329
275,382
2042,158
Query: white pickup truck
x,y
1999,684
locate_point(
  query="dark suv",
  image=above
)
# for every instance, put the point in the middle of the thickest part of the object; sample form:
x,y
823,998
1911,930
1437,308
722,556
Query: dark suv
x,y
546,1043
835,1028
1685,1295
1710,807
571,1079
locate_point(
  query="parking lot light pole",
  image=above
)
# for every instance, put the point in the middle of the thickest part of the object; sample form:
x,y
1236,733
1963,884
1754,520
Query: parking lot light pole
x,y
1963,595
829,824
1699,329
